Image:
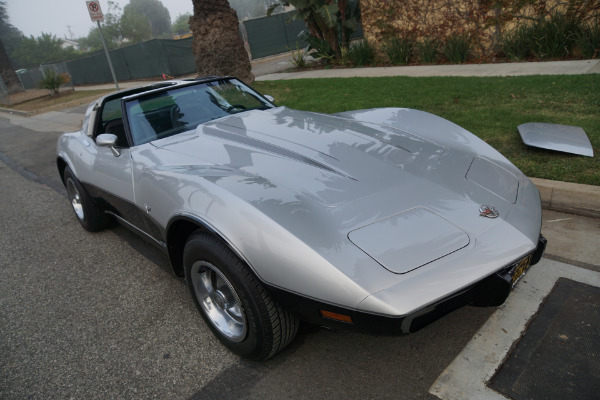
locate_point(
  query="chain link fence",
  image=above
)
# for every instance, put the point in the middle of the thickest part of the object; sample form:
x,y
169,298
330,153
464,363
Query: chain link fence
x,y
262,37
276,34
145,60
32,78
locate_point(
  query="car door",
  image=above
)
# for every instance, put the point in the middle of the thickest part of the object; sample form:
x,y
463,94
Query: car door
x,y
109,180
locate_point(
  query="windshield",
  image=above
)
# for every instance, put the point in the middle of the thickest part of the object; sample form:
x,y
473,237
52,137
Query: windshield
x,y
161,114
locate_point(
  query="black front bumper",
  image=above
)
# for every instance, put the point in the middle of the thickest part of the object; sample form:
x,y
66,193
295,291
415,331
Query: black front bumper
x,y
491,291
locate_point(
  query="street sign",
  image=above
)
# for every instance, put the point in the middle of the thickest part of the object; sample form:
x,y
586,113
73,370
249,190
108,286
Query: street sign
x,y
96,15
95,10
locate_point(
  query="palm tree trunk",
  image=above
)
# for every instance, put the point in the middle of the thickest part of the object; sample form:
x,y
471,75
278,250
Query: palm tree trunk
x,y
217,45
9,77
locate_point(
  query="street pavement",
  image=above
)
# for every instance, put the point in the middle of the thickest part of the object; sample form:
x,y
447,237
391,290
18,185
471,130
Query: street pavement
x,y
87,315
97,316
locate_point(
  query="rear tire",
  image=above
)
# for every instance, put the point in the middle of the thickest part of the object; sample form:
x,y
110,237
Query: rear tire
x,y
234,304
91,217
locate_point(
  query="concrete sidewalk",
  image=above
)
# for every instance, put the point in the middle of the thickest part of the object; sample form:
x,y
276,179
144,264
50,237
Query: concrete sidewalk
x,y
575,67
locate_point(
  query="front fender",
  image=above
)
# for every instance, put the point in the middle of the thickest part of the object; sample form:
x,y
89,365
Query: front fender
x,y
67,146
431,127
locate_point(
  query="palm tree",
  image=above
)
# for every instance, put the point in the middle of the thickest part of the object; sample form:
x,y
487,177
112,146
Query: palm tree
x,y
10,33
9,77
217,45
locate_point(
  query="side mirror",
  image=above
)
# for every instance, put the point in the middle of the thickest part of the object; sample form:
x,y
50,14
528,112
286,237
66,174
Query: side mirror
x,y
270,98
108,140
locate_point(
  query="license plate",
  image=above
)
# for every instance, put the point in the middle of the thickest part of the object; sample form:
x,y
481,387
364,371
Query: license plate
x,y
520,269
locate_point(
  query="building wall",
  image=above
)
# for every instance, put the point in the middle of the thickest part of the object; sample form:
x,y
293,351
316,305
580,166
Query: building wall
x,y
482,20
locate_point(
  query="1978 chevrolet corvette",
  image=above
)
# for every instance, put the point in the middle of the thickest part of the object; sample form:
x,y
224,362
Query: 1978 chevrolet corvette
x,y
377,220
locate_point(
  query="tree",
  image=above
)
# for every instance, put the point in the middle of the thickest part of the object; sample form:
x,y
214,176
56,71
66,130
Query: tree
x,y
217,45
11,36
330,23
9,77
154,11
249,9
135,28
181,24
111,30
118,29
8,35
43,49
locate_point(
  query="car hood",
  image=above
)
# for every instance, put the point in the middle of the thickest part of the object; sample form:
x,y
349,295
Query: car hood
x,y
329,160
327,179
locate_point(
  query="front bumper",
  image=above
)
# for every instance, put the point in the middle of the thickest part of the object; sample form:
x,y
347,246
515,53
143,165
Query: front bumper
x,y
491,291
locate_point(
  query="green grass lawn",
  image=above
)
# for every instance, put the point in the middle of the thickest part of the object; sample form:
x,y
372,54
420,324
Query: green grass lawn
x,y
490,107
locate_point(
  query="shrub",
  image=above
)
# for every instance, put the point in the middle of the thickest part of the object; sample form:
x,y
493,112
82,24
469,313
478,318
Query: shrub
x,y
551,38
361,53
298,57
344,56
588,40
457,48
398,50
516,45
555,37
53,81
319,49
428,50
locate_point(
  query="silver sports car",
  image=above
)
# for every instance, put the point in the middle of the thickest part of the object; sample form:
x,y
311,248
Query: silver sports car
x,y
378,220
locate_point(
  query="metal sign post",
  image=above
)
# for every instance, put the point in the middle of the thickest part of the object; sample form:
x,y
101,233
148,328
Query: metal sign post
x,y
96,15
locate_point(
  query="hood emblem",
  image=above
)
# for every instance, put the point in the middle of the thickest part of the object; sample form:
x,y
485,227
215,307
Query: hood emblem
x,y
488,211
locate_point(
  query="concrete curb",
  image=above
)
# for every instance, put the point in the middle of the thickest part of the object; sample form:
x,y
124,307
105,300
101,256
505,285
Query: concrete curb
x,y
16,112
569,197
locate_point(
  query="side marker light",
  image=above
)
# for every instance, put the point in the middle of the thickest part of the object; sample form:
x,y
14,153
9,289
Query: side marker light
x,y
337,317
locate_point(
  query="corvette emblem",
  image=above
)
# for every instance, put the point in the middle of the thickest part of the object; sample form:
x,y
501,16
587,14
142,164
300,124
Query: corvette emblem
x,y
488,211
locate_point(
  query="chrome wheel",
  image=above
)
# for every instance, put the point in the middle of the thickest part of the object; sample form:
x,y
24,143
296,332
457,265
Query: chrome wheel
x,y
233,302
75,198
219,300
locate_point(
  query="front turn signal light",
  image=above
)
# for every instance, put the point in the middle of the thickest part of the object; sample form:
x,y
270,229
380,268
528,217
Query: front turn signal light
x,y
338,317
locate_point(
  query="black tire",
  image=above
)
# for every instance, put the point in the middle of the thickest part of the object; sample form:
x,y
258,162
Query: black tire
x,y
225,289
91,217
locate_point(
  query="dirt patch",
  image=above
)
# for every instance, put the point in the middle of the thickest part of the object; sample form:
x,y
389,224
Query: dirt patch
x,y
28,95
45,103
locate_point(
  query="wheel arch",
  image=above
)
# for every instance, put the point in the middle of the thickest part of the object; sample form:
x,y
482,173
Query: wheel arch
x,y
61,164
180,228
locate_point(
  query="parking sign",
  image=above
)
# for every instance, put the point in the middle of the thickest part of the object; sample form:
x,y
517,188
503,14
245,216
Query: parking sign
x,y
95,10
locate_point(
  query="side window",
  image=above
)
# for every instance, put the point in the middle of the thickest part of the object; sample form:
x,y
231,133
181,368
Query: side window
x,y
111,121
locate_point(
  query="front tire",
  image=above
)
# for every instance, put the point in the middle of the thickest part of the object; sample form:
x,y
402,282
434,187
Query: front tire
x,y
234,304
91,217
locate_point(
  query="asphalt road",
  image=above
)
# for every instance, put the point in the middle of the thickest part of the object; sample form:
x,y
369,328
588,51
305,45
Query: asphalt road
x,y
87,315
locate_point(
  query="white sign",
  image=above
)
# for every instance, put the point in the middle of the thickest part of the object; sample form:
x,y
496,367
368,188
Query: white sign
x,y
95,10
